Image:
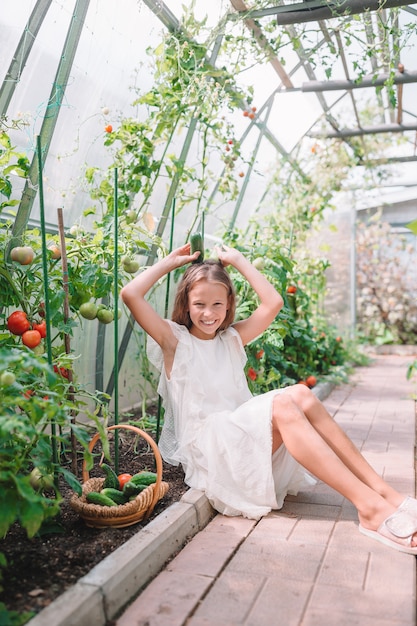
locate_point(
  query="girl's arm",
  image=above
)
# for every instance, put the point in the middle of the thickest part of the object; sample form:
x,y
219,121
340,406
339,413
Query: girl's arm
x,y
270,303
133,295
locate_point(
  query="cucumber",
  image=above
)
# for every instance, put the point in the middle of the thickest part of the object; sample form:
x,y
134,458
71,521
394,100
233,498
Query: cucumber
x,y
114,494
196,241
98,498
143,478
111,479
132,489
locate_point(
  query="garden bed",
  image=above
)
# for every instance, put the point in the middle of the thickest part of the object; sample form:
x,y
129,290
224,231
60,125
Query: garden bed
x,y
42,568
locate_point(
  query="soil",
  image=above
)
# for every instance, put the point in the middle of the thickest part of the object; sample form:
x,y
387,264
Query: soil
x,y
40,569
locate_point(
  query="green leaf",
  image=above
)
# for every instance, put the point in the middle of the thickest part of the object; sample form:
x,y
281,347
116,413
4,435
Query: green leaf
x,y
8,509
72,480
31,517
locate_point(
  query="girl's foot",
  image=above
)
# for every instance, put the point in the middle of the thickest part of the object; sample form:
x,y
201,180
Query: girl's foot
x,y
398,531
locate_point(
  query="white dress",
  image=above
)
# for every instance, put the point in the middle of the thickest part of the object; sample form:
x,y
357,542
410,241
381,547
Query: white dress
x,y
218,431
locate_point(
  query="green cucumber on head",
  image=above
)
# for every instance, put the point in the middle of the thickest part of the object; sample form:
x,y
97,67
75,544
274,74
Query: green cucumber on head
x,y
196,241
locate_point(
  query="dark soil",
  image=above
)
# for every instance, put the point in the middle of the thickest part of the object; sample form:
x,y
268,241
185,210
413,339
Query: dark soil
x,y
40,569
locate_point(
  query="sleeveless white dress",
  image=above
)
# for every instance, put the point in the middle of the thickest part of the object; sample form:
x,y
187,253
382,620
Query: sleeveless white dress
x,y
218,431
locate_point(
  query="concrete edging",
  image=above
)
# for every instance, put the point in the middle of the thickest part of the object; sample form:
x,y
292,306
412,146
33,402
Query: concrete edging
x,y
99,595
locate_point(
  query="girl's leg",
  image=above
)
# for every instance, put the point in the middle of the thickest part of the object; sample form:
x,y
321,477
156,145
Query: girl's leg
x,y
312,451
340,443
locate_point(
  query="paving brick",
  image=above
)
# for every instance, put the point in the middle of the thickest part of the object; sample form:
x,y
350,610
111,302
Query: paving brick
x,y
344,567
372,604
230,599
280,559
212,547
344,618
167,601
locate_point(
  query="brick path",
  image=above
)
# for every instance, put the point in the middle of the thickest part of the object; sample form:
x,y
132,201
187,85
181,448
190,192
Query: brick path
x,y
306,565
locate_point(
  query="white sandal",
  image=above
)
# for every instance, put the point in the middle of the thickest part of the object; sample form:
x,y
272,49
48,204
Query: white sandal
x,y
409,505
396,531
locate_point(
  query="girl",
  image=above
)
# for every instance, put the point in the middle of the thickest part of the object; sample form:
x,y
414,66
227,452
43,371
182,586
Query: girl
x,y
247,453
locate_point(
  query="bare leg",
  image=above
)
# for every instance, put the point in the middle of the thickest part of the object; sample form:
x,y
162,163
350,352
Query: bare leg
x,y
340,443
311,450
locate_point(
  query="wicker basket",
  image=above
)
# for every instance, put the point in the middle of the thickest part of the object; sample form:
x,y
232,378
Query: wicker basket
x,y
123,515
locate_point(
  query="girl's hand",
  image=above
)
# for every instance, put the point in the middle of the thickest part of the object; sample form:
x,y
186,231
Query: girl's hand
x,y
228,256
181,256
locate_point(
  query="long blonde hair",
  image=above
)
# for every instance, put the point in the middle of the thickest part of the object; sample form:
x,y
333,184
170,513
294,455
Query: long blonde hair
x,y
212,271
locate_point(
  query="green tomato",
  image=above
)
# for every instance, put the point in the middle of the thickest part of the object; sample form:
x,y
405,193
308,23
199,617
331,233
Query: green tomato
x,y
130,265
88,310
259,263
7,378
105,316
40,481
131,217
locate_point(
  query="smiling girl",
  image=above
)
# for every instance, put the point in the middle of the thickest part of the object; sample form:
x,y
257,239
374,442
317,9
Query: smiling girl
x,y
247,453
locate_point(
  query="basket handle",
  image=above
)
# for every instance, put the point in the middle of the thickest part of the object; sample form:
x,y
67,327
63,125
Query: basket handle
x,y
155,450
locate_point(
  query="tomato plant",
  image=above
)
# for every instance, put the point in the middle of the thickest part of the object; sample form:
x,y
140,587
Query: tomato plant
x,y
32,398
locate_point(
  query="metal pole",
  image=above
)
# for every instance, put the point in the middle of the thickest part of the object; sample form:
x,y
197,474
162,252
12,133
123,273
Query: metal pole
x,y
21,54
45,286
116,322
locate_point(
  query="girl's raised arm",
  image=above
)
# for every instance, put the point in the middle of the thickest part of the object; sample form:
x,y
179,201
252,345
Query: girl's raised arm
x,y
133,295
270,301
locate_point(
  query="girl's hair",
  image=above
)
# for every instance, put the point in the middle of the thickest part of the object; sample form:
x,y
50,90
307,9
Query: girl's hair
x,y
212,271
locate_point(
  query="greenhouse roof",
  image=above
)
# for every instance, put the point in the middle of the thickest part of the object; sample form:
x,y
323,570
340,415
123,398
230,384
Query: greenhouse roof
x,y
314,71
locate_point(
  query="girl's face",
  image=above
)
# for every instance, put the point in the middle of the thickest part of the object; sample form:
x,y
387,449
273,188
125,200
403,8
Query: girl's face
x,y
207,305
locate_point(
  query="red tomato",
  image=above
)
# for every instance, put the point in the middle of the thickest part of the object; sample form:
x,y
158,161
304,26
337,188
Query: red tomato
x,y
31,338
62,371
311,381
123,479
109,128
291,289
18,323
41,328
